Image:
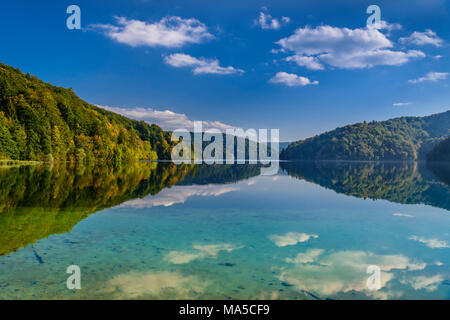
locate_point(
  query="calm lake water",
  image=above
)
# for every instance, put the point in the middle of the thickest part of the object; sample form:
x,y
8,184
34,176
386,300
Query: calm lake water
x,y
158,231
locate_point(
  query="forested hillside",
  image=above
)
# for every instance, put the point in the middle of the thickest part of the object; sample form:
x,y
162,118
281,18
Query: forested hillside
x,y
39,121
405,138
440,153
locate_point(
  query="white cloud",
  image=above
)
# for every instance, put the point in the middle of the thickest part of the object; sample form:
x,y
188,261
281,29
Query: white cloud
x,y
291,80
431,76
432,243
311,63
171,32
403,214
200,66
179,194
438,57
368,59
166,119
265,21
422,282
201,252
423,38
291,238
344,271
345,48
401,104
384,25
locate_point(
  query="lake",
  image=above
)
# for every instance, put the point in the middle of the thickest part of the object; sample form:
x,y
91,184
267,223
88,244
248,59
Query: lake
x,y
159,231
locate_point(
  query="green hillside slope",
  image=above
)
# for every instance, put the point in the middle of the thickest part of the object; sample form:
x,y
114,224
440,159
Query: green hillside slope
x,y
405,138
39,121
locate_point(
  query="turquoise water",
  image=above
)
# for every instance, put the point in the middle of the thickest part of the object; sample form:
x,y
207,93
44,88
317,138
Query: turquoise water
x,y
309,232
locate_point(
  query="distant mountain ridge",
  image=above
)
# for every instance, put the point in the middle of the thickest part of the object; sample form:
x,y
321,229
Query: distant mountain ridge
x,y
39,121
404,138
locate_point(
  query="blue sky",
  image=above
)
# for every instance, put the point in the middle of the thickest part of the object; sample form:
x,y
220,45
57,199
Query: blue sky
x,y
301,66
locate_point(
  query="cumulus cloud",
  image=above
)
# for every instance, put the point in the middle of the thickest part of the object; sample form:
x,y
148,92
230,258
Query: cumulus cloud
x,y
200,66
431,76
266,21
291,80
370,59
201,251
344,48
291,238
423,38
170,32
166,119
179,194
384,25
432,243
344,271
311,63
401,104
422,282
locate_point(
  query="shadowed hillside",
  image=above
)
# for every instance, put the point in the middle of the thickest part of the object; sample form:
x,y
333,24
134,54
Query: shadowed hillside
x,y
440,153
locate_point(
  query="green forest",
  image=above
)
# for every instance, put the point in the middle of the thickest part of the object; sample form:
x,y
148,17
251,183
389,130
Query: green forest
x,y
39,121
37,201
441,152
405,138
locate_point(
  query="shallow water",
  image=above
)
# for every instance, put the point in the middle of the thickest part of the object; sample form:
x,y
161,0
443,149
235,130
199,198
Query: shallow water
x,y
224,232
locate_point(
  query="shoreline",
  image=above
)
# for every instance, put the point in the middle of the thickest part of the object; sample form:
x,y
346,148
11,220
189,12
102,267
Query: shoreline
x,y
15,163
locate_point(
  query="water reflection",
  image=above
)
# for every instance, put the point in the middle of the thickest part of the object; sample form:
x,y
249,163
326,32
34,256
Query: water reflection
x,y
37,201
224,232
329,273
409,183
441,170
